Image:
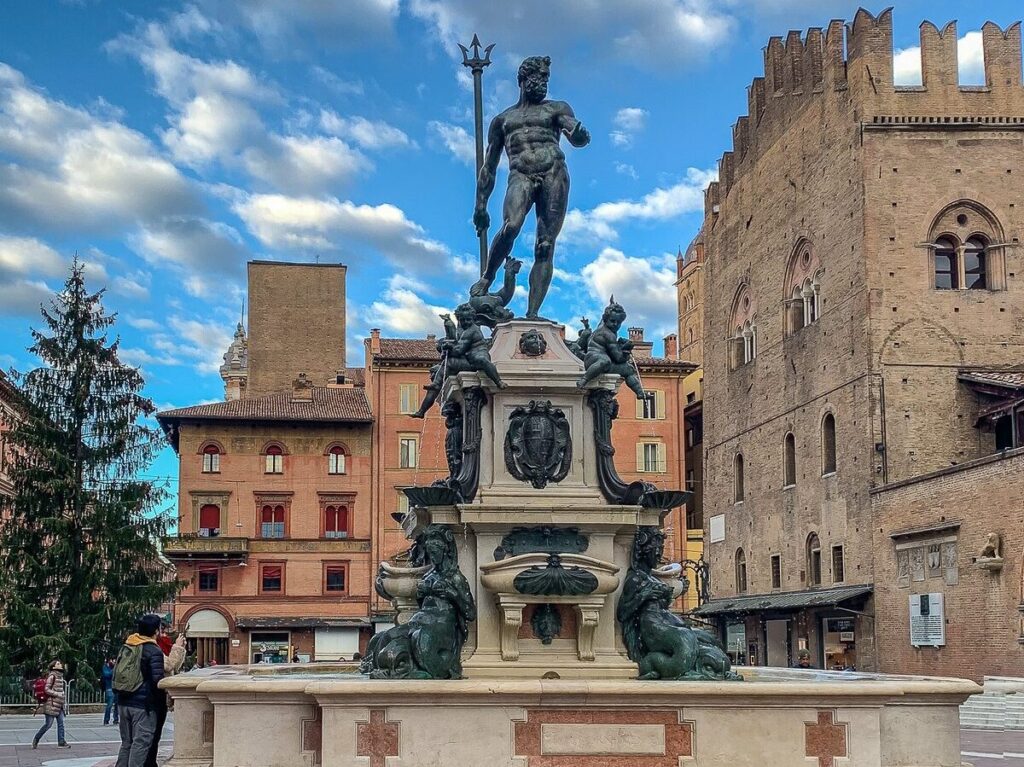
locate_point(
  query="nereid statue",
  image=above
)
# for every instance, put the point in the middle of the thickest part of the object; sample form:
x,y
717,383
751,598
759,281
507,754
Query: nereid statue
x,y
429,646
607,353
529,132
657,639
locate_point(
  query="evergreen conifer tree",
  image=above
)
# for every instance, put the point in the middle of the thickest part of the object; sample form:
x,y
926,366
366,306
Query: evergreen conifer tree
x,y
79,558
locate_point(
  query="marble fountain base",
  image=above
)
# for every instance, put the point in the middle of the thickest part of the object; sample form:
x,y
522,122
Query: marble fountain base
x,y
292,716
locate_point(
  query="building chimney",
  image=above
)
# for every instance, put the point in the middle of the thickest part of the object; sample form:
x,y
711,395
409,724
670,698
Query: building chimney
x,y
431,336
672,346
302,389
374,341
641,348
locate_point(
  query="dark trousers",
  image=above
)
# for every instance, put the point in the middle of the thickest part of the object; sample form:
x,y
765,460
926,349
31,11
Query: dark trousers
x,y
161,717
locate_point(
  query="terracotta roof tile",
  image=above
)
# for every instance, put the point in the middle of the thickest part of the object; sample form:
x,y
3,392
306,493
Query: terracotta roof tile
x,y
1013,379
408,349
329,404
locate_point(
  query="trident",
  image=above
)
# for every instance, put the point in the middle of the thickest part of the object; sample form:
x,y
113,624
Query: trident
x,y
476,65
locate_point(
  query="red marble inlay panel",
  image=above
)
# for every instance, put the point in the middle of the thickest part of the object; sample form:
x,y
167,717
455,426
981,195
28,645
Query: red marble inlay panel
x,y
825,739
377,738
313,736
678,737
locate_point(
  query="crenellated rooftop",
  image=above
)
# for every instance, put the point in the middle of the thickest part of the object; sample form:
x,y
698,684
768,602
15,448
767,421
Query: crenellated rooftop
x,y
803,69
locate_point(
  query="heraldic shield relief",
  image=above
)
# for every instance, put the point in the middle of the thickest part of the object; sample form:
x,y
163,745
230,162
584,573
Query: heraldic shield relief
x,y
538,448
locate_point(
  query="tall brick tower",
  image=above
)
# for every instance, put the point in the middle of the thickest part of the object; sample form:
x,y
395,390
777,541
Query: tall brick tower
x,y
864,330
296,324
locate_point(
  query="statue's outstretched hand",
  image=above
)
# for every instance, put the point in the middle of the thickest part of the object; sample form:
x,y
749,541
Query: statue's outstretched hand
x,y
580,136
481,220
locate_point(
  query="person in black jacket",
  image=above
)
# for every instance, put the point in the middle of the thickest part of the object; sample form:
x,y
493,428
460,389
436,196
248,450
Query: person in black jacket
x,y
138,709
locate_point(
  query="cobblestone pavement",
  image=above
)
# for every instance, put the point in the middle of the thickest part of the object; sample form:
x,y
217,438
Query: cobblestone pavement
x,y
92,744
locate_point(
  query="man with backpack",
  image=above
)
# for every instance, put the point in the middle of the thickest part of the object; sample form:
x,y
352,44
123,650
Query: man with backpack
x,y
52,699
137,672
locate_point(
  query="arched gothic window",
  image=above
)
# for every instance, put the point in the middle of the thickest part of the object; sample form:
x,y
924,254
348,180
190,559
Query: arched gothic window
x,y
789,461
743,345
741,572
828,444
802,288
966,242
739,488
813,560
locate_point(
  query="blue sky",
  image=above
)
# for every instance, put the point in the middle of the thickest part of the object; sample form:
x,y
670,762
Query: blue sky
x,y
168,143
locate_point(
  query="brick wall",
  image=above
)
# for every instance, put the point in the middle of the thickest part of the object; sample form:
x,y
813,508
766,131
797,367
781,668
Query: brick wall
x,y
296,324
984,631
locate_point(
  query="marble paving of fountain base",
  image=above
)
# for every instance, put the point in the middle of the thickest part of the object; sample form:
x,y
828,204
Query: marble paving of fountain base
x,y
247,717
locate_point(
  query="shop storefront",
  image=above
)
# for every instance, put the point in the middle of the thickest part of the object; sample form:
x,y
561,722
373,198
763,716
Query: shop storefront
x,y
834,625
283,640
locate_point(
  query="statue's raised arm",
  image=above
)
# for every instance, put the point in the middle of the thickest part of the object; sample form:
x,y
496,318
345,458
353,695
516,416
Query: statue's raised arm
x,y
529,132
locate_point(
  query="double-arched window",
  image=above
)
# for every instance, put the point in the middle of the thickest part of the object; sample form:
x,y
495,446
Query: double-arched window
x,y
743,345
802,295
966,242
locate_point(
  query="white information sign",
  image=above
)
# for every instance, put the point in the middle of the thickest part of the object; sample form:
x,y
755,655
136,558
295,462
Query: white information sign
x,y
717,525
927,620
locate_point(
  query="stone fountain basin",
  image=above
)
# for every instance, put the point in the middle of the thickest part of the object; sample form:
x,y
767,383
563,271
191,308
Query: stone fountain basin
x,y
398,582
316,714
499,577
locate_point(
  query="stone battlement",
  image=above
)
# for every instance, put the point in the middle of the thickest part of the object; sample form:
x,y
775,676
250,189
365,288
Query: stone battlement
x,y
810,71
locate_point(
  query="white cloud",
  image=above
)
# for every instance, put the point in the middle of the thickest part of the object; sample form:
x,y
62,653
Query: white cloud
x,y
27,255
312,225
69,169
652,33
143,358
626,170
302,164
205,252
337,84
205,342
369,134
400,310
628,122
135,285
970,58
456,140
599,224
142,323
22,298
645,287
289,26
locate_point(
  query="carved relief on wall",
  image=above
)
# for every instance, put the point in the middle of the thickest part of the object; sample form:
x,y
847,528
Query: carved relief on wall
x,y
918,561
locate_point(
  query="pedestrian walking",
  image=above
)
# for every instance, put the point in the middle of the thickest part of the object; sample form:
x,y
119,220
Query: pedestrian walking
x,y
109,699
174,658
137,672
53,706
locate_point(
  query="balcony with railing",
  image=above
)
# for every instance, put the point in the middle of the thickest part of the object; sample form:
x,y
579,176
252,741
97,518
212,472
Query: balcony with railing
x,y
193,546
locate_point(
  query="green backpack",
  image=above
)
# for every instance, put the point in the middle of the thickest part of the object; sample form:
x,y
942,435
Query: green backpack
x,y
128,669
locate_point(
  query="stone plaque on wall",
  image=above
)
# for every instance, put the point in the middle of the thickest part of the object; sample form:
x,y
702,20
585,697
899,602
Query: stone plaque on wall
x,y
917,568
903,568
949,568
933,558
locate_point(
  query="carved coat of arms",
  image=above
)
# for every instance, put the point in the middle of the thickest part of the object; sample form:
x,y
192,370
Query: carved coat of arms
x,y
538,448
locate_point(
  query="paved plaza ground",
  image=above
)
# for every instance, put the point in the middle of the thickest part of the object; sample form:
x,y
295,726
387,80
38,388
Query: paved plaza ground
x,y
93,745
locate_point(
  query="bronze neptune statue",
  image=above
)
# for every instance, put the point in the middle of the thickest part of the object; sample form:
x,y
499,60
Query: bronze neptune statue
x,y
529,132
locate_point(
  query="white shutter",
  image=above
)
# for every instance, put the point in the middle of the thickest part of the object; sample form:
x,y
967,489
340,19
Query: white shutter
x,y
659,404
662,459
336,643
639,456
639,409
